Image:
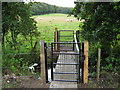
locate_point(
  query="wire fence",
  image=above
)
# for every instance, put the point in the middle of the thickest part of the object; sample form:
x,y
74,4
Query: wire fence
x,y
19,53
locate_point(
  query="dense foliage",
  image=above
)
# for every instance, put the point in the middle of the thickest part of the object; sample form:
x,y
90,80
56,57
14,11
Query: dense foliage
x,y
20,35
39,8
102,29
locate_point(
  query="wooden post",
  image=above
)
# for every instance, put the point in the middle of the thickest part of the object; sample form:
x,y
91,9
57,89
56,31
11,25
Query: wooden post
x,y
43,62
1,46
98,63
85,73
56,39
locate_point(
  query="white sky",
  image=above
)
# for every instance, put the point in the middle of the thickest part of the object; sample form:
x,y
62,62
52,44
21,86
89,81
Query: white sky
x,y
63,3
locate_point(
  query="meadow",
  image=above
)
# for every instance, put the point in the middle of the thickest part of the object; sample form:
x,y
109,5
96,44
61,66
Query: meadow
x,y
47,23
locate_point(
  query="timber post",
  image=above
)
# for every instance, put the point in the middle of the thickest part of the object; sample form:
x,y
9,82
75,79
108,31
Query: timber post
x,y
56,39
98,63
85,73
43,60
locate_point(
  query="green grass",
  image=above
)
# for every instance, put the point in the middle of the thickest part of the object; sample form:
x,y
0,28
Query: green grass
x,y
47,25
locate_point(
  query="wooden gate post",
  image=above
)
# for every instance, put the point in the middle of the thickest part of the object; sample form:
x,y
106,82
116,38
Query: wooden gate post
x,y
43,60
85,73
56,39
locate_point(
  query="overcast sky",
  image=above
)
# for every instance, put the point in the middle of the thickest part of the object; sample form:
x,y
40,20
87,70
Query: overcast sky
x,y
63,3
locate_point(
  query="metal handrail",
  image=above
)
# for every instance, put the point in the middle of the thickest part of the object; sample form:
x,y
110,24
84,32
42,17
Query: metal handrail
x,y
77,47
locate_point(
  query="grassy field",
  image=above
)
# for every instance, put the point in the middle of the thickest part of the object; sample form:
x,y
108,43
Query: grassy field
x,y
47,23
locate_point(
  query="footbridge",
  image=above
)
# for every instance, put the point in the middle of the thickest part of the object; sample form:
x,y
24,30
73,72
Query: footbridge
x,y
71,65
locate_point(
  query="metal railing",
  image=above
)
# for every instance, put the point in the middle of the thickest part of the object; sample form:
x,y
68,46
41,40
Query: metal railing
x,y
62,49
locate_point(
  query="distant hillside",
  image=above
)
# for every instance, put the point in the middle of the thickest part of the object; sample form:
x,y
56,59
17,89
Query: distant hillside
x,y
39,8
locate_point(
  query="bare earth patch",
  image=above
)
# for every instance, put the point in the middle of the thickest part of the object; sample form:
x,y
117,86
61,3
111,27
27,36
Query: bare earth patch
x,y
34,82
107,80
23,82
102,83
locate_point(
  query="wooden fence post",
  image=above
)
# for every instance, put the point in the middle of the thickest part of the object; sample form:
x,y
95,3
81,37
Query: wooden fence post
x,y
98,63
85,73
43,61
56,39
0,65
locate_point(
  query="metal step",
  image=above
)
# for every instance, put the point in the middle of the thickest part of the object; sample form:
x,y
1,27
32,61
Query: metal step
x,y
65,73
66,35
66,46
65,50
65,63
66,80
65,53
67,30
65,42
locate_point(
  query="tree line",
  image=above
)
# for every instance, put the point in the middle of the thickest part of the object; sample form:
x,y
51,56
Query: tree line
x,y
102,29
39,8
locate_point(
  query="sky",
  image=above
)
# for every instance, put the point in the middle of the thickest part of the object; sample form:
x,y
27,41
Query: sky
x,y
63,3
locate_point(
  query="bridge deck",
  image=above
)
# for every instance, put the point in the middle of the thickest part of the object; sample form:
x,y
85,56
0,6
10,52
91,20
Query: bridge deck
x,y
65,68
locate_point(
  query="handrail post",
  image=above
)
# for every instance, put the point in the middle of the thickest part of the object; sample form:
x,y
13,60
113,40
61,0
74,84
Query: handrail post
x,y
52,61
79,65
73,41
56,39
77,35
43,60
73,45
82,62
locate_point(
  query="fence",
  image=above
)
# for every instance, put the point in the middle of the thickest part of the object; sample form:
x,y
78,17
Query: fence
x,y
80,49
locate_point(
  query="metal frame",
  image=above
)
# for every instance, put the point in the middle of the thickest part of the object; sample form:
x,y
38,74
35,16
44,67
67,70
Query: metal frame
x,y
80,59
58,53
66,36
52,62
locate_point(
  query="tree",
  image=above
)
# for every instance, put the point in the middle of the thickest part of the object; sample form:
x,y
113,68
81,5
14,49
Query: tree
x,y
17,21
18,30
102,25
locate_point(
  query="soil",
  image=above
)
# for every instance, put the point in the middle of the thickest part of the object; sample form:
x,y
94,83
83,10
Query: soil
x,y
107,80
102,83
22,82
